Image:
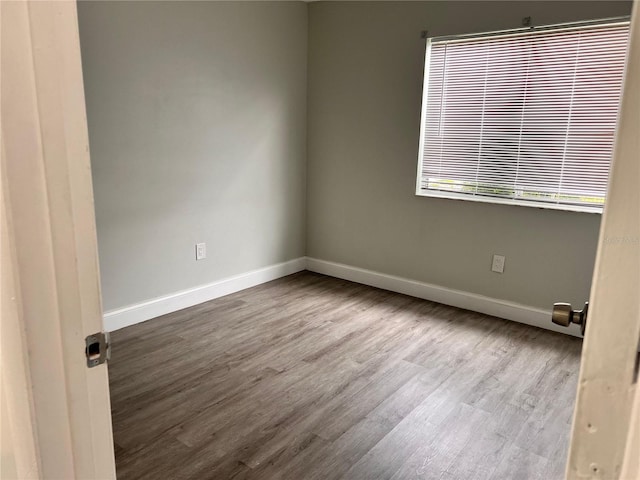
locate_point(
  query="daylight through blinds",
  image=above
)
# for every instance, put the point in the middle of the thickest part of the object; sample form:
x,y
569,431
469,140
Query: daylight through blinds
x,y
527,116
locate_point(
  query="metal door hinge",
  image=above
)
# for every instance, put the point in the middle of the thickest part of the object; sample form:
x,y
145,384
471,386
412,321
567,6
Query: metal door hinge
x,y
97,348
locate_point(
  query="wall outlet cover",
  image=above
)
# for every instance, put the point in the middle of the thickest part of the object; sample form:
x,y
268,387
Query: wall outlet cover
x,y
498,264
201,251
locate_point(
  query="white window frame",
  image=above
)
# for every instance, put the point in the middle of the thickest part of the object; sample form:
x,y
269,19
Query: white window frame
x,y
487,199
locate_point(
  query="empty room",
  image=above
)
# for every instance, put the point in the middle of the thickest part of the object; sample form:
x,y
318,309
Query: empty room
x,y
320,240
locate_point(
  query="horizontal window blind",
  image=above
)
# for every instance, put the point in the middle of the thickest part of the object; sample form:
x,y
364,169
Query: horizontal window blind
x,y
527,116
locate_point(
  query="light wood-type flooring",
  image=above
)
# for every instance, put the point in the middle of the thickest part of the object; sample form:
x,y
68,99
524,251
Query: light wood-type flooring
x,y
311,377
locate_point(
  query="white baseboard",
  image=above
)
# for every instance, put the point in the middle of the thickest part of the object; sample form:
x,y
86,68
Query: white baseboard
x,y
140,312
457,298
123,317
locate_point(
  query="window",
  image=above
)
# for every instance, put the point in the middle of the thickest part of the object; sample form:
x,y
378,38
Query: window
x,y
524,117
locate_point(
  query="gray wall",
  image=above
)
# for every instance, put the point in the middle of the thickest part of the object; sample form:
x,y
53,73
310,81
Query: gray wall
x,y
365,82
197,123
197,117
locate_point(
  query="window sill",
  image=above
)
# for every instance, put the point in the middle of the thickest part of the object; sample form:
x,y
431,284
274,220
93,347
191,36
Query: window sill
x,y
505,201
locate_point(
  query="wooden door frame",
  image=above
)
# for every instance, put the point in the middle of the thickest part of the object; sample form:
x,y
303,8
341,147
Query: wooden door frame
x,y
606,387
18,428
631,462
50,231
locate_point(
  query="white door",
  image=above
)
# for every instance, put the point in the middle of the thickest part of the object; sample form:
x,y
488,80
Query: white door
x,y
56,412
603,417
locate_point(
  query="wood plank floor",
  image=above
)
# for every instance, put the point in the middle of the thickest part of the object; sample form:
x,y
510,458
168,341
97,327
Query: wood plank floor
x,y
311,377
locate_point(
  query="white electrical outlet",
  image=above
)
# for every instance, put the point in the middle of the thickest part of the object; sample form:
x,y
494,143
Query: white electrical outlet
x,y
201,251
498,264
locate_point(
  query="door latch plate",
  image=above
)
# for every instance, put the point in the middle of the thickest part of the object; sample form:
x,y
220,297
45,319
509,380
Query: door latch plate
x,y
97,349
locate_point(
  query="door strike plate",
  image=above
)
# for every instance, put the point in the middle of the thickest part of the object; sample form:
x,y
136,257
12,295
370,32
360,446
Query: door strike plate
x,y
97,349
